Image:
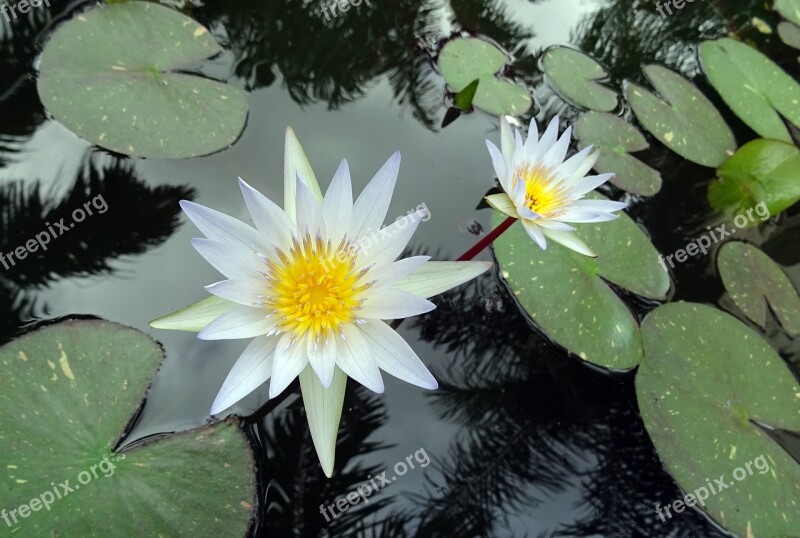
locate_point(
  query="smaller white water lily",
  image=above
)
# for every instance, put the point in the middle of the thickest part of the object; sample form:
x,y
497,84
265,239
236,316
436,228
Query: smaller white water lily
x,y
544,191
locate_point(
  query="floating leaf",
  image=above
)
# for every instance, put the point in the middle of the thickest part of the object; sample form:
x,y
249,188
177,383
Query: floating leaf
x,y
789,34
464,60
685,120
112,76
573,75
789,9
705,377
616,138
754,281
566,293
67,392
753,86
463,99
765,171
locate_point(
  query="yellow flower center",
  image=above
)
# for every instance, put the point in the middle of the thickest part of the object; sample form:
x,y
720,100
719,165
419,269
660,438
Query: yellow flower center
x,y
314,287
540,195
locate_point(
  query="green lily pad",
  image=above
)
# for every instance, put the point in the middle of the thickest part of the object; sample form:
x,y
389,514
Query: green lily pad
x,y
754,281
761,171
67,392
111,76
615,138
684,120
464,60
753,86
789,10
574,75
704,378
789,34
567,296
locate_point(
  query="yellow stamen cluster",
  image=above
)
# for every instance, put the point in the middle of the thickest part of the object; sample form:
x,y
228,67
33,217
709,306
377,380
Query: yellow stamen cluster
x,y
540,194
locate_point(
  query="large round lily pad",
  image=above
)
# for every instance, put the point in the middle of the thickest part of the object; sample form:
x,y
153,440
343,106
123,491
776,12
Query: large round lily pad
x,y
67,392
705,379
755,88
574,75
761,171
111,76
684,120
754,281
616,138
567,296
465,60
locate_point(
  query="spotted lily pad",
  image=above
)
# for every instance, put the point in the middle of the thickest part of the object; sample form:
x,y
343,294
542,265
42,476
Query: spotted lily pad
x,y
706,378
67,392
789,10
574,75
112,75
616,138
684,120
567,296
753,86
754,281
464,60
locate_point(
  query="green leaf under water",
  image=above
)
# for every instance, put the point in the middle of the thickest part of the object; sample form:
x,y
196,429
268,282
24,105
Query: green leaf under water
x,y
789,9
705,377
615,138
67,392
754,282
684,120
111,76
574,75
761,171
464,60
789,34
753,86
566,293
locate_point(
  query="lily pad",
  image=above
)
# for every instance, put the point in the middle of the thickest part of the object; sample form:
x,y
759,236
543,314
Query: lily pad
x,y
67,392
574,75
753,86
705,378
464,60
789,10
567,296
754,281
684,120
789,34
111,75
615,139
761,171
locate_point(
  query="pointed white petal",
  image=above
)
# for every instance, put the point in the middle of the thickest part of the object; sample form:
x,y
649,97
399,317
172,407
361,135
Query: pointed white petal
x,y
290,359
554,225
371,207
323,411
535,233
322,358
384,246
309,211
196,316
355,359
502,203
230,260
270,220
566,169
589,183
434,278
532,141
506,139
396,271
245,291
500,166
579,216
296,163
555,155
598,205
337,208
392,303
241,322
548,139
223,228
251,370
571,241
395,357
583,167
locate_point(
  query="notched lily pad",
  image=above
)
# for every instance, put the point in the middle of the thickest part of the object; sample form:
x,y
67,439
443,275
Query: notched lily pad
x,y
574,75
111,75
705,379
754,281
67,392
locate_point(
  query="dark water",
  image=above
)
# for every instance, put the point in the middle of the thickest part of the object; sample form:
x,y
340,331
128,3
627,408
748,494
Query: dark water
x,y
522,438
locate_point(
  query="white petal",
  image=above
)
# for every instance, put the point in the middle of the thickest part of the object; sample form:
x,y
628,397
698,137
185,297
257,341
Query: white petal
x,y
518,193
241,322
579,216
296,163
337,208
228,259
571,241
566,169
309,211
434,278
555,155
535,233
500,166
323,411
195,316
223,228
251,370
502,203
506,139
395,357
384,246
598,205
371,207
390,275
583,168
355,359
532,141
245,291
589,183
272,221
322,358
392,303
290,359
554,225
548,139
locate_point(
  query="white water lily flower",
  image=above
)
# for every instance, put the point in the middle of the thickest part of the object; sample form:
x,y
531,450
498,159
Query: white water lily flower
x,y
545,191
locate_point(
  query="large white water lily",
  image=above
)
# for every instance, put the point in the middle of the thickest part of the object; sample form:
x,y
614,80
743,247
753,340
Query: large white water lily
x,y
545,191
311,284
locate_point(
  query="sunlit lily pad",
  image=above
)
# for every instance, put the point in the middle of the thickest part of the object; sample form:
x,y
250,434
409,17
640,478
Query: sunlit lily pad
x,y
67,392
683,119
574,75
755,88
789,9
464,60
789,34
765,171
567,296
616,138
704,378
754,281
112,75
